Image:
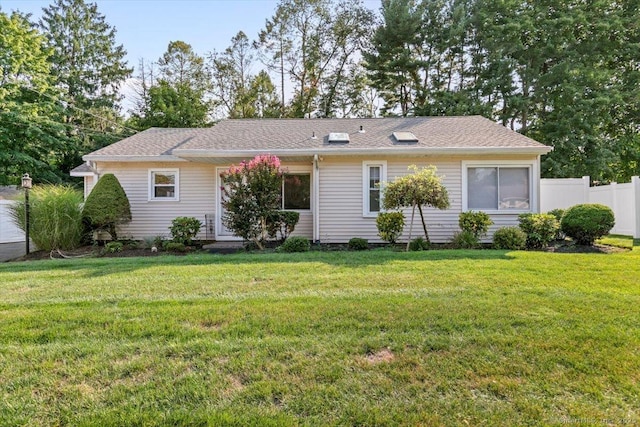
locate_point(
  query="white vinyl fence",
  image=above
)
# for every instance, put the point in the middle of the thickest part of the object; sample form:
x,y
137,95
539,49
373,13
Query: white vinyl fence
x,y
623,199
9,233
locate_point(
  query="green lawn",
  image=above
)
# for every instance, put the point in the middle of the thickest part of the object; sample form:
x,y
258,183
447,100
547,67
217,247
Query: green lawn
x,y
323,338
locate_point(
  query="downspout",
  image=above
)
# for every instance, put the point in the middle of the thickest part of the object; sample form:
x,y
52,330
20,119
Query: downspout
x,y
316,199
537,178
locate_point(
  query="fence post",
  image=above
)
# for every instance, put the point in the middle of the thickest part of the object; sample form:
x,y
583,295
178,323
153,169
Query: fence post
x,y
635,180
585,185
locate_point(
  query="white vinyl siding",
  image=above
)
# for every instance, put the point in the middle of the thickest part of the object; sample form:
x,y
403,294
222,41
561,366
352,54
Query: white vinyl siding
x,y
197,188
342,197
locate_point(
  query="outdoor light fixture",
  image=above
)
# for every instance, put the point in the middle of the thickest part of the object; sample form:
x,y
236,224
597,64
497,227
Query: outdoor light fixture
x,y
27,183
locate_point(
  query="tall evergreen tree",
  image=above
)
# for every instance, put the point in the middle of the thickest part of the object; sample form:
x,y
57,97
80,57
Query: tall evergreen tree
x,y
89,68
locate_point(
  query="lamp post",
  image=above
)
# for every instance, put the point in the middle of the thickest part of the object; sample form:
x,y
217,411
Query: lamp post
x,y
26,184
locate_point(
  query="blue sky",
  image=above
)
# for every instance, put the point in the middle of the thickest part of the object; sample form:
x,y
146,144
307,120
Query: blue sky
x,y
145,27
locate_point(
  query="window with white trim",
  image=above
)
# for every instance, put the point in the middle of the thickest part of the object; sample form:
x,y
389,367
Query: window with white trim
x,y
296,191
373,174
499,188
163,184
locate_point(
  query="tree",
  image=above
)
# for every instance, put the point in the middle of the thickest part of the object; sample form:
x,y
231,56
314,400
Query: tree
x,y
231,76
89,68
423,187
392,61
251,193
31,138
176,96
263,96
314,43
107,206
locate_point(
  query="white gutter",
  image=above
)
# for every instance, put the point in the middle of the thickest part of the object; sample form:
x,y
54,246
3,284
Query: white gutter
x,y
129,159
397,151
316,198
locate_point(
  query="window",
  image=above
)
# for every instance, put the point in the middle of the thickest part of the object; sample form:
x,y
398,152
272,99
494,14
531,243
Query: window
x,y
499,188
296,191
373,174
163,184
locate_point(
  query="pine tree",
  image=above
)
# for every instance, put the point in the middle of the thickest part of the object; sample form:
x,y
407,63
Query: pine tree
x,y
89,68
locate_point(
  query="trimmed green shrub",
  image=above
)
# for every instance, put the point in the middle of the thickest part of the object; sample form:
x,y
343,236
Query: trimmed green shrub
x,y
184,229
465,240
170,246
282,223
295,244
390,225
540,229
476,223
358,244
55,217
587,222
511,238
107,206
113,247
419,244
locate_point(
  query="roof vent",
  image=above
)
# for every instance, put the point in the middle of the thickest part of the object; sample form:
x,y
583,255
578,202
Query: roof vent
x,y
405,137
313,135
339,137
361,129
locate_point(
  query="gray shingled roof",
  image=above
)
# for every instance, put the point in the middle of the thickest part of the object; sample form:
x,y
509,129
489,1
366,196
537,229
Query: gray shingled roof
x,y
151,142
291,135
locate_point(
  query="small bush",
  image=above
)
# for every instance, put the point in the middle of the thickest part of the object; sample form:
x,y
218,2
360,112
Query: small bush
x,y
358,244
474,223
282,223
390,225
184,229
107,206
540,229
587,222
511,238
558,213
158,242
465,240
419,244
170,246
113,247
295,244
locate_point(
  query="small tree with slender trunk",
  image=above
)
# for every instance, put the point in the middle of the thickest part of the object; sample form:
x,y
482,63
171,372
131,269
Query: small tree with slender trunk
x,y
422,188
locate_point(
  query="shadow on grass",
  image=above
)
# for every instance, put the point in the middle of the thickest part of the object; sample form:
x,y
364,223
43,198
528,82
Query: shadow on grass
x,y
96,267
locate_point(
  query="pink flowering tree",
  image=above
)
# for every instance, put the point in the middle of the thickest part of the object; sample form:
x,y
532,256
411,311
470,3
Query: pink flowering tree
x,y
251,192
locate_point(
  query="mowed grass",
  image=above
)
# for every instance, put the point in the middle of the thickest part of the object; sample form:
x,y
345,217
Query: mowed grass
x,y
323,338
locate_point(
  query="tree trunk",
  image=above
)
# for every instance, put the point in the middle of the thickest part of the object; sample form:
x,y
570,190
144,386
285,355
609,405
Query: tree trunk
x,y
424,225
413,212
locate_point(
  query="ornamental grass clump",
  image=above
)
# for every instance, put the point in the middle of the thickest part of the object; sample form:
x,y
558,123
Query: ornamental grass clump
x,y
55,218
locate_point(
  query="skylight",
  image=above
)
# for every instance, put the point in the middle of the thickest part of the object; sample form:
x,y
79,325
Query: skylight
x,y
338,137
405,137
